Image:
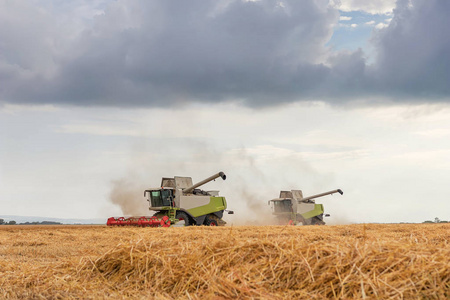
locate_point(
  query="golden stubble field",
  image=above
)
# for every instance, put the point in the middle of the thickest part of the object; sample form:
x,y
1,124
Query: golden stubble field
x,y
372,261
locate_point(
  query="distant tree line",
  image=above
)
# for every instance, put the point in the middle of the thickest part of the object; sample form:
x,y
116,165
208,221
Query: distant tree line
x,y
41,223
2,222
436,220
12,222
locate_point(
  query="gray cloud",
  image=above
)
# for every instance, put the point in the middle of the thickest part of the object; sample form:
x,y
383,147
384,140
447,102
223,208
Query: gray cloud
x,y
414,51
159,53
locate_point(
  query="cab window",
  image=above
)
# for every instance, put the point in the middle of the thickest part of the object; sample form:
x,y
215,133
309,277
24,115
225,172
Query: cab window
x,y
156,198
166,197
161,198
282,206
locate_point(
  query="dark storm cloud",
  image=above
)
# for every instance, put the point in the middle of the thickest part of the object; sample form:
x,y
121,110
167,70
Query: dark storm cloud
x,y
414,51
158,53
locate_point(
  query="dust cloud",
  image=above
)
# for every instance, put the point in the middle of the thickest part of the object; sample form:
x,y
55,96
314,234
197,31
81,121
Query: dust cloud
x,y
339,220
129,196
255,210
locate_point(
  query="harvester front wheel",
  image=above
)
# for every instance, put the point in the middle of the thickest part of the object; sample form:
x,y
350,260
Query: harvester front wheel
x,y
182,216
301,219
317,221
210,222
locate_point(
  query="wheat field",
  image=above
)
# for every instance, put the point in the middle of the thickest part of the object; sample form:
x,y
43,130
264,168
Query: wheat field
x,y
362,261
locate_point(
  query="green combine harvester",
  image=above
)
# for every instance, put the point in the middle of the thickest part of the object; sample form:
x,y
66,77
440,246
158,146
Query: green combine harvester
x,y
291,208
180,202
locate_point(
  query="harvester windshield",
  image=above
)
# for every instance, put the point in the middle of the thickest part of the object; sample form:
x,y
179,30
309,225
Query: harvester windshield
x,y
281,206
160,198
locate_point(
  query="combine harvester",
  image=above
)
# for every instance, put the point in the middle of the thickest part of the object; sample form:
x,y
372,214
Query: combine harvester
x,y
291,208
178,201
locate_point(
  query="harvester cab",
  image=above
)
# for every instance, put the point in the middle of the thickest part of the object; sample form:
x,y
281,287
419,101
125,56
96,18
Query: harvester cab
x,y
283,204
292,208
160,198
180,201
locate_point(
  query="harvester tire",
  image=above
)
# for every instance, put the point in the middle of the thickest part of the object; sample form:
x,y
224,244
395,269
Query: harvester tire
x,y
317,221
301,219
184,216
210,221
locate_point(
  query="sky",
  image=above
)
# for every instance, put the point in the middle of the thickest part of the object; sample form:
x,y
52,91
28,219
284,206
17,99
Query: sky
x,y
100,99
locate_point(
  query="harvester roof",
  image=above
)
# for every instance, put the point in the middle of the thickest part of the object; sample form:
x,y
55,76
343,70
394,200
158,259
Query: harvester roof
x,y
160,188
280,199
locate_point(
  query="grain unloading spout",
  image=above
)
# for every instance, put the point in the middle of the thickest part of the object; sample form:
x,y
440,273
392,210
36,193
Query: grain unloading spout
x,y
321,195
211,178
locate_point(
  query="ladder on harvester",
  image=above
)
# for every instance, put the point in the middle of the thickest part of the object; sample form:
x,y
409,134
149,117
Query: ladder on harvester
x,y
172,213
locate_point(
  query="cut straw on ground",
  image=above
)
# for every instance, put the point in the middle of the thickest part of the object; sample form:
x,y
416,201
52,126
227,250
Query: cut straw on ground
x,y
373,261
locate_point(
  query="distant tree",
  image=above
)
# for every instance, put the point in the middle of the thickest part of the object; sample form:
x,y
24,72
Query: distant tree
x,y
428,221
41,223
12,222
436,220
50,223
2,221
